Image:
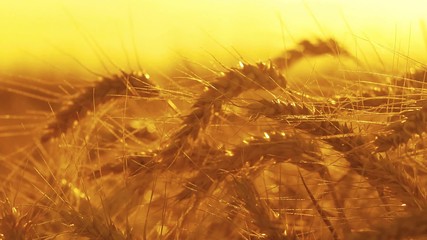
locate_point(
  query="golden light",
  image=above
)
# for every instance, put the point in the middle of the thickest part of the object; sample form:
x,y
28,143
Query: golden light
x,y
131,119
160,33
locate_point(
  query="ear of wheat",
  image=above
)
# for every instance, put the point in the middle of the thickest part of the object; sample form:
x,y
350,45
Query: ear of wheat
x,y
399,133
306,48
93,226
357,151
14,224
87,99
230,85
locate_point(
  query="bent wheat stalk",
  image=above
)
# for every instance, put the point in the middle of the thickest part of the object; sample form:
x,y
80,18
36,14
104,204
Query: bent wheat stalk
x,y
80,103
230,85
306,48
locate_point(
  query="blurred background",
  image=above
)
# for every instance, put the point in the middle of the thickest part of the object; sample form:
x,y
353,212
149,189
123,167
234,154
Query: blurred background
x,y
52,34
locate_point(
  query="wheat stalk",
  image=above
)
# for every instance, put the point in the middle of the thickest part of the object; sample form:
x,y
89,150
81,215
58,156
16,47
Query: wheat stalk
x,y
398,133
268,226
306,48
231,84
251,154
13,223
357,152
320,210
408,227
95,226
89,98
244,162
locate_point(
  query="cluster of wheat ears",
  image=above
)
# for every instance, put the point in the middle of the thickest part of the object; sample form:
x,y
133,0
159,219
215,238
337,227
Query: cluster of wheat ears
x,y
245,153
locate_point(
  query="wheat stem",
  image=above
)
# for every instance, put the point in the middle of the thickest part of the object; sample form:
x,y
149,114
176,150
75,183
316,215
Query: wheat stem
x,y
320,210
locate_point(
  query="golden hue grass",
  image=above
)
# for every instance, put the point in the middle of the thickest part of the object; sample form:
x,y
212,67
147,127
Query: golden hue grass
x,y
244,154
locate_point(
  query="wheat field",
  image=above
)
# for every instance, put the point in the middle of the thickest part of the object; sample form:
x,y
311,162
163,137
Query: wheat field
x,y
199,133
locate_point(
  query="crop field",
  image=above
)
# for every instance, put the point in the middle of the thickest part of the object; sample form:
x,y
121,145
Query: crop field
x,y
213,120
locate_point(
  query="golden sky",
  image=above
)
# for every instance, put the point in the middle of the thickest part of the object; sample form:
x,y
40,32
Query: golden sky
x,y
52,32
